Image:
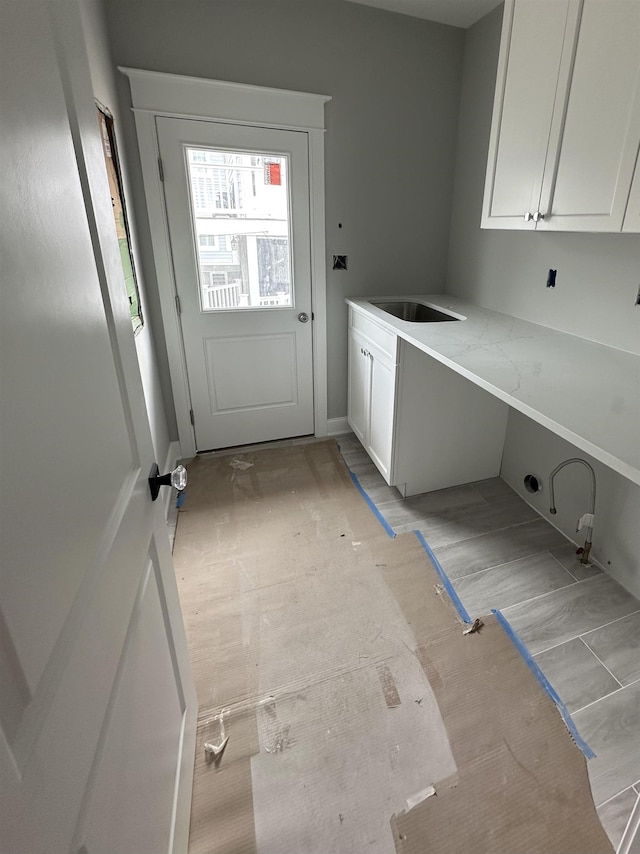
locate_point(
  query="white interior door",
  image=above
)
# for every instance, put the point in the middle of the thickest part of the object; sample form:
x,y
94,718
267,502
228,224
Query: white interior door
x,y
97,707
237,201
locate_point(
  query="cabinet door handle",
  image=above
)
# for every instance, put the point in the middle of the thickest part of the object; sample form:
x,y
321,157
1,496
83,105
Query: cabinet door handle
x,y
528,216
538,216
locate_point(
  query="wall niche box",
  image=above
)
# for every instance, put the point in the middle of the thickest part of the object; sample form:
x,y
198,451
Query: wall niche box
x,y
566,118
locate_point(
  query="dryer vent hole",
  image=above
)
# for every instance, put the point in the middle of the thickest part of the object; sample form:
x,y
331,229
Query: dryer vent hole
x,y
532,483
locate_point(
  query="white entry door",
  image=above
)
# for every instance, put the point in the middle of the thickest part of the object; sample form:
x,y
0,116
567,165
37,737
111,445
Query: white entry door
x,y
237,201
97,707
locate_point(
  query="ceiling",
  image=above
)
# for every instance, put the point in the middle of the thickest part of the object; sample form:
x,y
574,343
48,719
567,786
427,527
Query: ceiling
x,y
458,13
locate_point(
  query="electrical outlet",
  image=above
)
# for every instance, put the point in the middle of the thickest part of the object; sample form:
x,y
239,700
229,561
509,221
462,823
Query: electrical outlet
x,y
339,262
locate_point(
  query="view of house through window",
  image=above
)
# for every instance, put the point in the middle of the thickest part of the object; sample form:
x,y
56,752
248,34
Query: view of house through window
x,y
240,205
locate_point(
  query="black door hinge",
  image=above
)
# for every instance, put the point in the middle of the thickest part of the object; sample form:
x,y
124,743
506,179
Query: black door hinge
x,y
191,418
161,170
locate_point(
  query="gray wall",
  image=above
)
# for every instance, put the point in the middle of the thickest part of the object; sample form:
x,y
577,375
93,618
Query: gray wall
x,y
598,277
391,124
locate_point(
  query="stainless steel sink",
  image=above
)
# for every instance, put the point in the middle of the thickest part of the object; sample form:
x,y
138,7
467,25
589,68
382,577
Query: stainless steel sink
x,y
416,312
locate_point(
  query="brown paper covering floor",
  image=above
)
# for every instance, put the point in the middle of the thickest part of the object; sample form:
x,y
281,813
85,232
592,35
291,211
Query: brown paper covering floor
x,y
348,686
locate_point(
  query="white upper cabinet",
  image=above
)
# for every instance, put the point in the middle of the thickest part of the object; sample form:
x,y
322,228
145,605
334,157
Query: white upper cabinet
x,y
533,34
566,118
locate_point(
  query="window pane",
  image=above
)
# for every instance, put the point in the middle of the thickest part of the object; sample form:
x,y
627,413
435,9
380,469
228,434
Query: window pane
x,y
240,206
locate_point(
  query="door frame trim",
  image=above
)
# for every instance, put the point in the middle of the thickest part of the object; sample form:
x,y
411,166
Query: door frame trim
x,y
155,94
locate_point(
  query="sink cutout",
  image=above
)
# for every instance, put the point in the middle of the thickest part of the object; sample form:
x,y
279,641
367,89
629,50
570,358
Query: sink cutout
x,y
415,312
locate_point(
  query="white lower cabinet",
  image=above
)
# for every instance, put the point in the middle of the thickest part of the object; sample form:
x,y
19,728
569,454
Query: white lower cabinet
x,y
372,381
359,383
423,425
381,413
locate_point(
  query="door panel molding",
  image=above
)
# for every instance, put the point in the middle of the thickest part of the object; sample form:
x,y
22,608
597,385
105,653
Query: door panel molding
x,y
101,796
225,386
121,525
157,94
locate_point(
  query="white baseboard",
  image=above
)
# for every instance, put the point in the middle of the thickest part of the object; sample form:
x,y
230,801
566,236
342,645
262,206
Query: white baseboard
x,y
338,426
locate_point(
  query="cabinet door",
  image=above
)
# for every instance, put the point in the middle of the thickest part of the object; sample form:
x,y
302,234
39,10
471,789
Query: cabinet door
x,y
531,67
586,184
358,388
382,411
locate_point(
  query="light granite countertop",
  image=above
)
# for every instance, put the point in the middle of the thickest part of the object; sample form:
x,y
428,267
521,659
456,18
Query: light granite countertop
x,y
585,392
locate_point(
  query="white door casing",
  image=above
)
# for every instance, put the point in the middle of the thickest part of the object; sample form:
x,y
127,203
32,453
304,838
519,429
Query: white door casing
x,y
156,95
98,709
250,369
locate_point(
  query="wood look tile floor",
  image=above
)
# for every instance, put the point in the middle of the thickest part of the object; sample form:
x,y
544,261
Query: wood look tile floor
x,y
582,628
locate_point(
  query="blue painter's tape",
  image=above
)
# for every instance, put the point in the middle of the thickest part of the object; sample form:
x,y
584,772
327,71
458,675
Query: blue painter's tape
x,y
180,499
462,611
372,506
544,682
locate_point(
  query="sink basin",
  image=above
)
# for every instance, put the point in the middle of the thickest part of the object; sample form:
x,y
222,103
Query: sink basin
x,y
416,312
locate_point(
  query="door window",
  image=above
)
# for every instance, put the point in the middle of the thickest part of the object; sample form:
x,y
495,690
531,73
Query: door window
x,y
241,228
